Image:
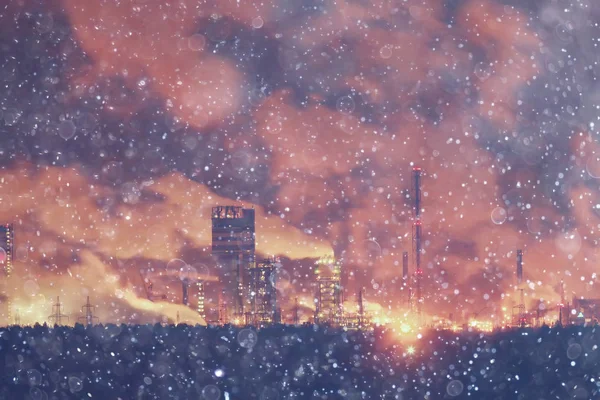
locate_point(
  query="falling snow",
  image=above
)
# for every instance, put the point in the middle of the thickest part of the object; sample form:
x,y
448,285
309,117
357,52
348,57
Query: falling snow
x,y
123,123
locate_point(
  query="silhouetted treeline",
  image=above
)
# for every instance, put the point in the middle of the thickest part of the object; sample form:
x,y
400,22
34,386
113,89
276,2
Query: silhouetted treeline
x,y
282,362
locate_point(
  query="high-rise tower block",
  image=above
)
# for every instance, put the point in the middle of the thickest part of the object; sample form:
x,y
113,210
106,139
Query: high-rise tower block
x,y
233,246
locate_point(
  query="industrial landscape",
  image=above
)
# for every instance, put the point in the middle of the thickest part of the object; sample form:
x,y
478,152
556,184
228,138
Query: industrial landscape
x,y
289,200
247,287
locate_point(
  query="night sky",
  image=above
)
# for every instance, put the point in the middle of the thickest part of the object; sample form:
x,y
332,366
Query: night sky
x,y
123,123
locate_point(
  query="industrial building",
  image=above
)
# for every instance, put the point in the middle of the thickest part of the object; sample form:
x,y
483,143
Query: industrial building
x,y
263,293
247,291
233,247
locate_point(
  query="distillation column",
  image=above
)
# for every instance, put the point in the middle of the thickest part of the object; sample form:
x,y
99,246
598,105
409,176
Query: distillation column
x,y
405,277
417,240
200,303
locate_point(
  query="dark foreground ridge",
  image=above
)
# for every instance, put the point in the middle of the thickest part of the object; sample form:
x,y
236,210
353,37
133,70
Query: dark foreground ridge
x,y
282,362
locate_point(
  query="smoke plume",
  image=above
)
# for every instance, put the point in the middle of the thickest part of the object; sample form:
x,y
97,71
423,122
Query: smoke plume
x,y
123,123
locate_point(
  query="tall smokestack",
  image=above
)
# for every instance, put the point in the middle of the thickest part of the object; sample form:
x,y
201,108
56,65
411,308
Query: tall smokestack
x,y
405,281
417,238
405,265
519,266
417,175
361,310
184,291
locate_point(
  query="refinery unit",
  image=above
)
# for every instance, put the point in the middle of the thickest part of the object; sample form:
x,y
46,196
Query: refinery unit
x,y
247,294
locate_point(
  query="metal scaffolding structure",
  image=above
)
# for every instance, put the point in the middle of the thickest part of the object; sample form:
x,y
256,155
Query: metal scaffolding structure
x,y
328,309
519,312
200,304
263,293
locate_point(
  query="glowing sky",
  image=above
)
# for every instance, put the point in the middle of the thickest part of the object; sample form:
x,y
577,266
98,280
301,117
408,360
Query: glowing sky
x,y
122,123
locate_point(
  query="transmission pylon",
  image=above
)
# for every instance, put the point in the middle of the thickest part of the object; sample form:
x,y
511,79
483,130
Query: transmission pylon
x,y
57,316
89,316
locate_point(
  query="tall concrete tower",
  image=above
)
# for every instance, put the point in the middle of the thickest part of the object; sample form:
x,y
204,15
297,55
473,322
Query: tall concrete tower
x,y
185,290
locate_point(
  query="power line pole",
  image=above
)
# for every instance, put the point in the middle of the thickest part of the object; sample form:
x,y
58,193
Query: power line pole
x,y
57,315
17,318
89,316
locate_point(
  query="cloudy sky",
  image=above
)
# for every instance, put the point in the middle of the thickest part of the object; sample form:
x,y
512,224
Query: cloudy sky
x,y
122,123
